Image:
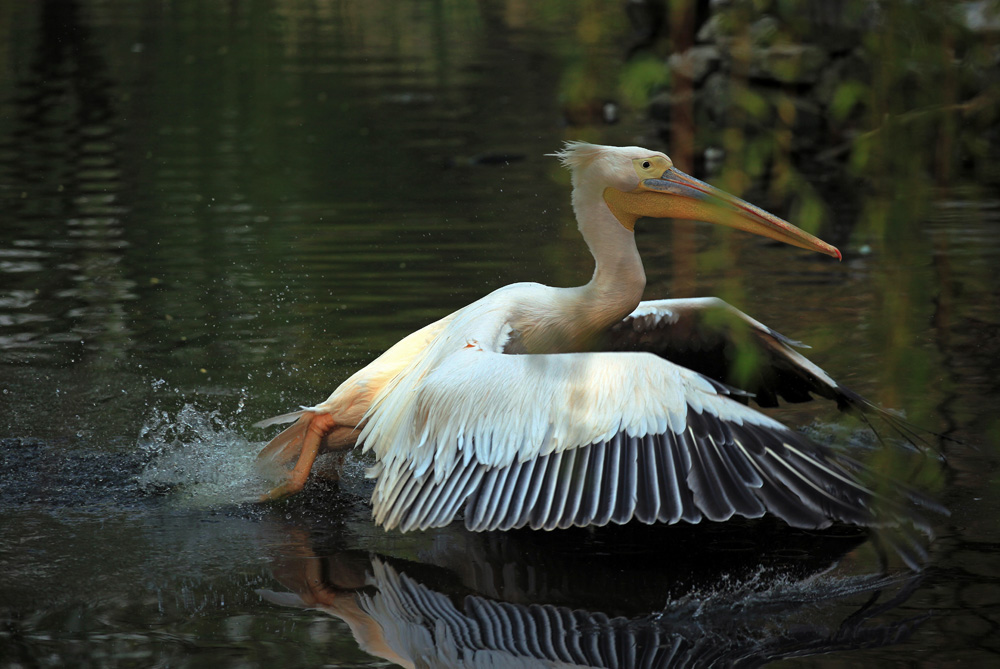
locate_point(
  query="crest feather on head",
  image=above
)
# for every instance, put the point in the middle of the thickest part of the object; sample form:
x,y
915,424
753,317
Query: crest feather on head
x,y
574,154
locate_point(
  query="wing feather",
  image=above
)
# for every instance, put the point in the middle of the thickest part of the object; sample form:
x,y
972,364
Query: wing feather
x,y
531,498
740,465
592,487
609,486
486,495
519,495
546,496
706,482
431,505
502,509
560,494
626,494
740,494
578,479
495,506
648,502
671,503
683,461
423,501
470,488
408,488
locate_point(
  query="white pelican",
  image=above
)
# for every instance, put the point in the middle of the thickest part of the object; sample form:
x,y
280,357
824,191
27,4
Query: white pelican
x,y
556,407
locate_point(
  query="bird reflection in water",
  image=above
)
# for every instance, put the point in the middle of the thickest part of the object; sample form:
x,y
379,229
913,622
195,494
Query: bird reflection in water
x,y
523,599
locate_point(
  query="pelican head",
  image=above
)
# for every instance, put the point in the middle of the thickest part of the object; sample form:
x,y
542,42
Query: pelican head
x,y
639,183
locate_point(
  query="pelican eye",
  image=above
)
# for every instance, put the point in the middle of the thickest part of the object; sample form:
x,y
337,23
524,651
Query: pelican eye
x,y
652,167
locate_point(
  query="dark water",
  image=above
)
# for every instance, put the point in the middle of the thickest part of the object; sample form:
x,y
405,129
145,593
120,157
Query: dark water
x,y
212,213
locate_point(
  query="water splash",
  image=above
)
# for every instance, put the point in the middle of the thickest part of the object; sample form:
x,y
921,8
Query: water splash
x,y
199,457
767,592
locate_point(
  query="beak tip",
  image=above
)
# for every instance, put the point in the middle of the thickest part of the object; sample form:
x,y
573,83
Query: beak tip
x,y
836,253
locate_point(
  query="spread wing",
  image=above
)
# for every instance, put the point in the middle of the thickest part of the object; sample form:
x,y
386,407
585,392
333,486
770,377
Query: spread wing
x,y
713,338
582,439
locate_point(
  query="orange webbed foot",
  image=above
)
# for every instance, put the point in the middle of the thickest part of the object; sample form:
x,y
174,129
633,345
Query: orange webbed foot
x,y
283,448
